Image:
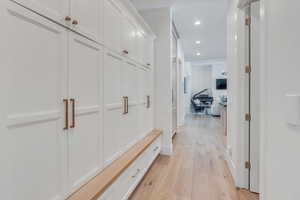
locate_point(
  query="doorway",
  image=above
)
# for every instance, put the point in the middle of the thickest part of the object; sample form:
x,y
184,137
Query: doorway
x,y
251,95
174,81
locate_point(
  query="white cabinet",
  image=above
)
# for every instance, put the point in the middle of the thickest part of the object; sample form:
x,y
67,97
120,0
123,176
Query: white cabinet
x,y
148,95
56,10
71,106
79,15
145,49
120,105
36,77
149,51
52,150
128,39
113,106
112,26
141,47
129,82
87,18
145,101
85,94
125,184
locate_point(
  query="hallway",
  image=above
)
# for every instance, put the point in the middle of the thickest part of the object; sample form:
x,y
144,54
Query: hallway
x,y
196,171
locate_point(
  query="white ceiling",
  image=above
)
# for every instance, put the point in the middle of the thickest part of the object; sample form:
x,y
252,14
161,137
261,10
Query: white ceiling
x,y
211,32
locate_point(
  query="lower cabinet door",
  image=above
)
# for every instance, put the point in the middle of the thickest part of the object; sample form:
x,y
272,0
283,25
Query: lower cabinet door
x,y
142,102
113,106
85,88
129,120
33,112
149,108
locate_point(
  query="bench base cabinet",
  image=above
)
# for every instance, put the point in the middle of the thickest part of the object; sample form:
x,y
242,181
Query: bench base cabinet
x,y
124,186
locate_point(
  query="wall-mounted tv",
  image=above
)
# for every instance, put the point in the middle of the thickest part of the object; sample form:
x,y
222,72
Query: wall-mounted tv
x,y
221,84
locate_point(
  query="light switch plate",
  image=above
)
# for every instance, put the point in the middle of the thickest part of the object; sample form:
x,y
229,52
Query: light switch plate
x,y
293,109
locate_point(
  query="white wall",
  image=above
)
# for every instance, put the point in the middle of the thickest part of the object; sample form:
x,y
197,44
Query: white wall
x,y
235,66
188,77
280,71
160,21
217,73
201,78
180,83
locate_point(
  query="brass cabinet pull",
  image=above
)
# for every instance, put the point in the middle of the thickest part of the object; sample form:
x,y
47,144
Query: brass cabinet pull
x,y
124,105
148,101
127,105
68,18
137,172
73,113
66,101
75,22
156,148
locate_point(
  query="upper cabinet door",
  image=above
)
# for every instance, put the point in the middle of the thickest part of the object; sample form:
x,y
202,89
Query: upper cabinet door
x,y
85,87
148,51
112,26
128,39
141,43
87,18
34,110
56,10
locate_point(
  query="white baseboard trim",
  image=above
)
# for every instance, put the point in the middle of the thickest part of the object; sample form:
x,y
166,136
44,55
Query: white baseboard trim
x,y
167,151
231,165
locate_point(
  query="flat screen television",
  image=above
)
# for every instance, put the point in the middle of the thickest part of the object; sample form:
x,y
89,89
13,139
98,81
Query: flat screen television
x,y
221,84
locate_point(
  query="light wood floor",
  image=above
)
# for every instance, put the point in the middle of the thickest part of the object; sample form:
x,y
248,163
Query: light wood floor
x,y
196,171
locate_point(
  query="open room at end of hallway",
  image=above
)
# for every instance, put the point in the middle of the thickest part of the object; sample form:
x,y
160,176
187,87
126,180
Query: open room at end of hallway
x,y
206,86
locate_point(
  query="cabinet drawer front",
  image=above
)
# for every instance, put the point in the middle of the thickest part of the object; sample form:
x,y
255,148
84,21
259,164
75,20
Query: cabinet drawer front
x,y
154,149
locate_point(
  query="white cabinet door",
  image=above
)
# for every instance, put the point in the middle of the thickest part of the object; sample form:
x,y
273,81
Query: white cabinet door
x,y
141,47
33,116
129,82
149,102
85,133
142,102
146,105
148,51
113,106
56,10
112,26
87,18
128,39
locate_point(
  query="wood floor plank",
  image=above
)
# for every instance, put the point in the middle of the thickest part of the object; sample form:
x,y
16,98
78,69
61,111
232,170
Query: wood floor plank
x,y
197,170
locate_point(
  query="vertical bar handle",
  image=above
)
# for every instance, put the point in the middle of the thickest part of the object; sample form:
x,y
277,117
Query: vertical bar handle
x,y
148,101
124,105
66,102
127,105
73,113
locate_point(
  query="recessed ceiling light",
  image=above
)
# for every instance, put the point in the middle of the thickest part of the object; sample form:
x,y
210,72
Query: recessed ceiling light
x,y
198,42
198,54
197,23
